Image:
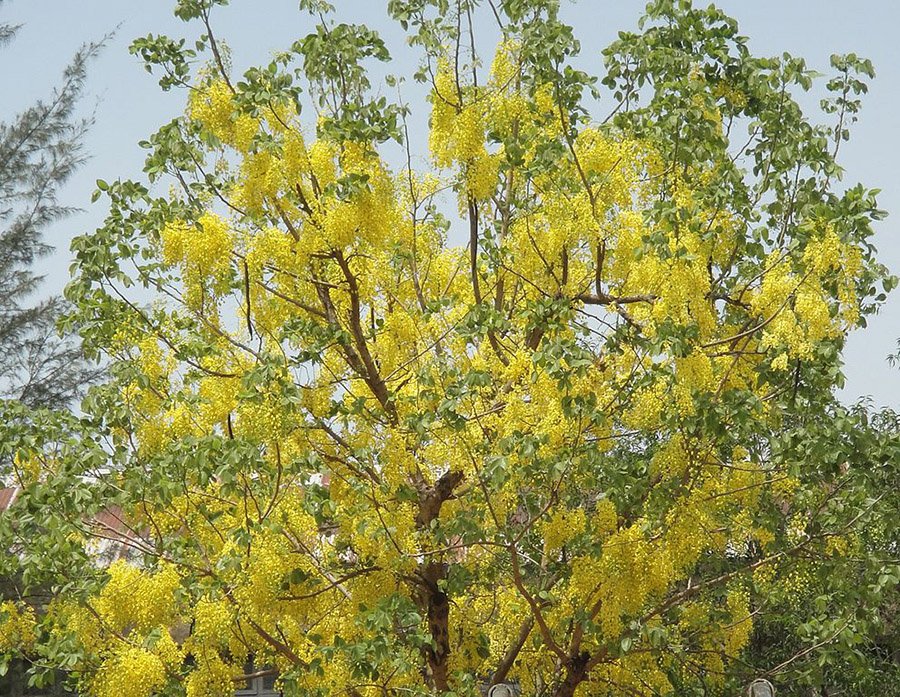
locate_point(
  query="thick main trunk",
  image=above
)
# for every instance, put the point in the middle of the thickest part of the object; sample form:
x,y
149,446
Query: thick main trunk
x,y
439,653
435,605
432,601
576,673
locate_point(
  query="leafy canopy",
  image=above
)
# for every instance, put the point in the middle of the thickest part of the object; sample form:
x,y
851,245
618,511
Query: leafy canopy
x,y
589,449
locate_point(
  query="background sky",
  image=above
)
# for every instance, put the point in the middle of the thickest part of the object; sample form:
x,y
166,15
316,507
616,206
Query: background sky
x,y
129,106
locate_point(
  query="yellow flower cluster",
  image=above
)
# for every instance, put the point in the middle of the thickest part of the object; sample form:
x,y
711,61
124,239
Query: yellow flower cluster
x,y
219,399
213,106
646,406
203,251
391,544
170,653
270,246
604,520
458,134
295,157
262,420
322,156
737,633
213,620
561,526
260,182
622,578
136,598
797,309
259,584
838,545
694,374
635,674
129,672
616,164
727,91
28,466
211,677
17,626
151,361
672,459
795,585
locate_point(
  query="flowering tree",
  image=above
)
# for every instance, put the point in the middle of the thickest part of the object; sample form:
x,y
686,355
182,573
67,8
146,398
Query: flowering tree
x,y
586,449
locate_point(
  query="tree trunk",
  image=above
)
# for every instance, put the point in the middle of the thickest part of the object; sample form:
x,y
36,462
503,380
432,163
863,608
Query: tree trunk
x,y
439,653
429,596
576,672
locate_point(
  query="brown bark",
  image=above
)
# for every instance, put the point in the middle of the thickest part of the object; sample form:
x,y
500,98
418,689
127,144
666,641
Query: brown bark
x,y
576,673
369,371
439,653
435,605
429,597
432,498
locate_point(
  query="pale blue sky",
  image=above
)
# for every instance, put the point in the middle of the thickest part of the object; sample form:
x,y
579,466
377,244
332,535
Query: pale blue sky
x,y
129,106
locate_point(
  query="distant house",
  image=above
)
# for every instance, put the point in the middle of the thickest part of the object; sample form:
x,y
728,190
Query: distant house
x,y
7,497
113,539
261,686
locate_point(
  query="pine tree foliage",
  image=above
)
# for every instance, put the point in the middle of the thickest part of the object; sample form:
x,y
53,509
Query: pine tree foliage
x,y
41,148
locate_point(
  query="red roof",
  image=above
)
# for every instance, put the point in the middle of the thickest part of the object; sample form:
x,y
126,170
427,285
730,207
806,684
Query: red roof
x,y
7,496
113,537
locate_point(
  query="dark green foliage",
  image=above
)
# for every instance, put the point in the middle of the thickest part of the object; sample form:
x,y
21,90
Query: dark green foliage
x,y
40,149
